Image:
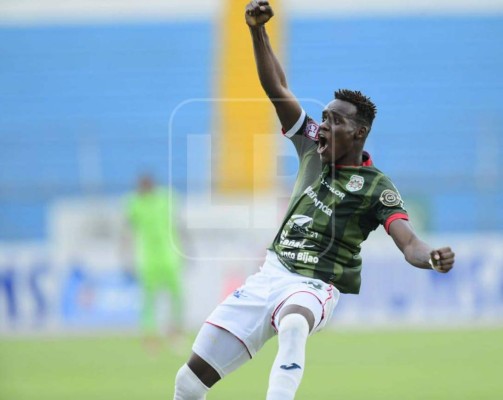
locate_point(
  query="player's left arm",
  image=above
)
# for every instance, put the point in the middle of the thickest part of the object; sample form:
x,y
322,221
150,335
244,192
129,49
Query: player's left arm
x,y
418,253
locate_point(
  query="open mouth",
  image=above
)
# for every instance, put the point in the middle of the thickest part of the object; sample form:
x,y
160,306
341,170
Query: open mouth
x,y
322,144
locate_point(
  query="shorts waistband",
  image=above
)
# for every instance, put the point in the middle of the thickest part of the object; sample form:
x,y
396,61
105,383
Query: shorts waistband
x,y
271,259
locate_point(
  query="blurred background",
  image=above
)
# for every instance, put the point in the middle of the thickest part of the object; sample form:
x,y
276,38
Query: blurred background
x,y
93,94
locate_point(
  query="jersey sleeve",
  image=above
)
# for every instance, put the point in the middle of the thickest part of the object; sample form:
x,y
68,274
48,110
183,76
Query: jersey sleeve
x,y
388,204
303,134
305,126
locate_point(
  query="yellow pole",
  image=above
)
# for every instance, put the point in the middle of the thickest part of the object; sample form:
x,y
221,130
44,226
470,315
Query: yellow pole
x,y
243,112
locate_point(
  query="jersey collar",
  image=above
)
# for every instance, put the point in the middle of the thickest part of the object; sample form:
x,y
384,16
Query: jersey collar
x,y
366,162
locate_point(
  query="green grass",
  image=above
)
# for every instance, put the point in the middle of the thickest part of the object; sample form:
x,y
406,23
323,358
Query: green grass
x,y
340,365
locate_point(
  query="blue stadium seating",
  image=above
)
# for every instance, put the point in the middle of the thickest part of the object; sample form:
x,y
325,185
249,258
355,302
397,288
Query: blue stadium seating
x,y
85,108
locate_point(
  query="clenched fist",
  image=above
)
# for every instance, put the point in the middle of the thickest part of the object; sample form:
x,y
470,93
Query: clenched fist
x,y
442,260
258,12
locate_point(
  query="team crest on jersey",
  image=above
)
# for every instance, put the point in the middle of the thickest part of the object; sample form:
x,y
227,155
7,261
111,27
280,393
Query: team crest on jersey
x,y
355,183
390,198
311,130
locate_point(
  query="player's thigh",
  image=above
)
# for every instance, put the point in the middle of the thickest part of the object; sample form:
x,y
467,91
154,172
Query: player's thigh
x,y
246,313
220,349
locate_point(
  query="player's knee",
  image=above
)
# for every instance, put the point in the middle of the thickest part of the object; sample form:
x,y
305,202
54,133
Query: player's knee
x,y
308,311
294,324
188,386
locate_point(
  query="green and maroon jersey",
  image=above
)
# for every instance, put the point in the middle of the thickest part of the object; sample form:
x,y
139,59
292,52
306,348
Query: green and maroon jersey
x,y
331,212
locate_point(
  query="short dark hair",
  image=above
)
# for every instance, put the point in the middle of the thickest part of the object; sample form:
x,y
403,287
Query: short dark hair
x,y
366,110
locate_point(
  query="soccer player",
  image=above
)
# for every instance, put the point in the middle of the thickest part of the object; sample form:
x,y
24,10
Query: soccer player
x,y
338,199
159,264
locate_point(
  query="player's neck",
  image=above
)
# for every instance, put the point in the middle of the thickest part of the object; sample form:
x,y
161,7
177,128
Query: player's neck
x,y
349,160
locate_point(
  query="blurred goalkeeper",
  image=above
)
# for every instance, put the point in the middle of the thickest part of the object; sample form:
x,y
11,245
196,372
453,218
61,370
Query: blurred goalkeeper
x,y
338,199
151,217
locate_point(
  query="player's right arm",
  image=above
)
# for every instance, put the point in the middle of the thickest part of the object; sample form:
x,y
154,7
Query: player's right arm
x,y
418,253
271,74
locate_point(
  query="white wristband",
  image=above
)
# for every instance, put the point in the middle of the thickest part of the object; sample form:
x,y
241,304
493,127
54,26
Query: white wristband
x,y
433,265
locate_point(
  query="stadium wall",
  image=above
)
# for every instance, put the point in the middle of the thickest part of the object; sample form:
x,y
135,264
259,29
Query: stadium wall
x,y
77,281
54,11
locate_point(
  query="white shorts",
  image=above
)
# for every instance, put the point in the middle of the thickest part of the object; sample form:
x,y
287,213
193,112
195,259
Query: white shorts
x,y
251,312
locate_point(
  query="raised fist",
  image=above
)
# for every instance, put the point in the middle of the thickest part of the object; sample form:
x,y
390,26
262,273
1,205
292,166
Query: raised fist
x,y
258,12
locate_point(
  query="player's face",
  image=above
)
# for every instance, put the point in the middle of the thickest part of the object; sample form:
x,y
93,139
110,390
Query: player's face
x,y
337,132
146,184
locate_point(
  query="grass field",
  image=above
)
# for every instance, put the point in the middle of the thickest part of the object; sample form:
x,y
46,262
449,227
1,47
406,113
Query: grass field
x,y
351,366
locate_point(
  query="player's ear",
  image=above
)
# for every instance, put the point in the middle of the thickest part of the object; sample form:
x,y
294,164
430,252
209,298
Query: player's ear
x,y
362,132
